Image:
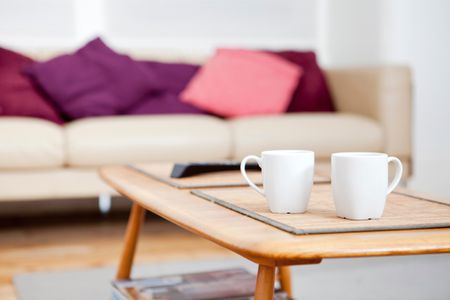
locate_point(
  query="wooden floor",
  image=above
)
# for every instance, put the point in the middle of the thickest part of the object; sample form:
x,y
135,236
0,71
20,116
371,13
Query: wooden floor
x,y
64,243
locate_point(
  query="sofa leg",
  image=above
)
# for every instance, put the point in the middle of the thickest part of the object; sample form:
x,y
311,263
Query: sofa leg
x,y
104,203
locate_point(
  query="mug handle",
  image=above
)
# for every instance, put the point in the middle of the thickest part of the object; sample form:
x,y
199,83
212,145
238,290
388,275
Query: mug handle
x,y
398,173
244,173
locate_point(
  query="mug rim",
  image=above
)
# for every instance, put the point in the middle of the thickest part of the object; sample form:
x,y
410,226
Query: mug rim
x,y
359,154
286,152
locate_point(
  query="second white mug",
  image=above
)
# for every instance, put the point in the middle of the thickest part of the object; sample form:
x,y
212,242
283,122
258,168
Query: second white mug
x,y
287,179
360,183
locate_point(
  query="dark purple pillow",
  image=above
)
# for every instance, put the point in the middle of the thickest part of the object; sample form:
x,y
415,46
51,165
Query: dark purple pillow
x,y
163,103
312,93
170,80
171,77
93,81
18,95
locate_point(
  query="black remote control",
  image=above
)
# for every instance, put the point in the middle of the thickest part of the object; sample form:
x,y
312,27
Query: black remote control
x,y
181,170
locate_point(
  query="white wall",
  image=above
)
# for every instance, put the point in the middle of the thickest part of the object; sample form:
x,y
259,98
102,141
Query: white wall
x,y
352,33
199,25
411,32
418,33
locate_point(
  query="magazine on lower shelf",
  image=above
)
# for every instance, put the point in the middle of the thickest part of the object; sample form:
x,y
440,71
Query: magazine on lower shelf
x,y
232,284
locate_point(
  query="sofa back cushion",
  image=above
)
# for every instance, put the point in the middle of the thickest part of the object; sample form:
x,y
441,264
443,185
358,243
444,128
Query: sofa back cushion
x,y
18,95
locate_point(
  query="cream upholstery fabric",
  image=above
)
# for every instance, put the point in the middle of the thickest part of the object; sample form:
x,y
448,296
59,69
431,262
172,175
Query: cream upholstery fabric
x,y
382,93
27,143
59,183
120,140
324,133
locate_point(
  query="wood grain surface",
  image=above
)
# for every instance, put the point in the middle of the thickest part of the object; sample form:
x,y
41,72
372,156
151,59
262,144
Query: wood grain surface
x,y
135,221
265,281
261,242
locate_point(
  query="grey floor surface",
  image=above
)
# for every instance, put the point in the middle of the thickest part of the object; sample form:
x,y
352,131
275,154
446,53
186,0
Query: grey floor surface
x,y
424,277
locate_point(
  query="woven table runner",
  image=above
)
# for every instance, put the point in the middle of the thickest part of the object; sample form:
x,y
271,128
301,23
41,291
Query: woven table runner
x,y
402,211
161,172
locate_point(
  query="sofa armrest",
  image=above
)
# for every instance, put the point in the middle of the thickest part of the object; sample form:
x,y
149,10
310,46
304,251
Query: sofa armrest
x,y
382,93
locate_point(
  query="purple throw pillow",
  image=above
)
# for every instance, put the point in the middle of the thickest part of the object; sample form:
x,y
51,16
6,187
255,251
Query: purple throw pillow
x,y
312,93
170,80
18,95
93,81
171,77
163,103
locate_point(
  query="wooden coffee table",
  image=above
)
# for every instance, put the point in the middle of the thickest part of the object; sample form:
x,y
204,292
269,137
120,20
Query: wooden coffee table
x,y
263,244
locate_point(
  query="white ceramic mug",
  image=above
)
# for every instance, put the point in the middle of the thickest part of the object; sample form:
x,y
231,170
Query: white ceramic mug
x,y
287,179
360,183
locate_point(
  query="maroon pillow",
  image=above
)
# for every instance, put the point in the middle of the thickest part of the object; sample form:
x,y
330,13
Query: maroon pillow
x,y
93,81
312,92
18,95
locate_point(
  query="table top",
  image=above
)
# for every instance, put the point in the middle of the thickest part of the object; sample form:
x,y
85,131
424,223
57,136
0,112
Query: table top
x,y
261,242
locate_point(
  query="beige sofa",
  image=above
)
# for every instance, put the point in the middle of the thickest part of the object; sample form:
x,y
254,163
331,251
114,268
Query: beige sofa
x,y
41,160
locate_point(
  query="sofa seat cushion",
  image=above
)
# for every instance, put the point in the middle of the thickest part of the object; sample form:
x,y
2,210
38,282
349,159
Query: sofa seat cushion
x,y
126,139
324,133
30,143
55,183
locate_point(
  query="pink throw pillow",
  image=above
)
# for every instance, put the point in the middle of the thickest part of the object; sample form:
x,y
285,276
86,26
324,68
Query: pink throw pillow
x,y
243,82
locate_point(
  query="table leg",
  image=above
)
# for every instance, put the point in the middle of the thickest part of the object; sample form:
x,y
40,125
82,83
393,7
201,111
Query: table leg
x,y
135,220
265,281
284,273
